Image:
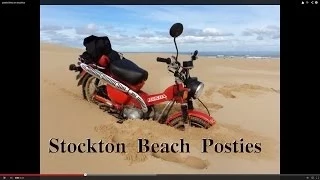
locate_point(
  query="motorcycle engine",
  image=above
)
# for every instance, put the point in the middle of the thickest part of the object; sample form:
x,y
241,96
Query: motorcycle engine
x,y
132,113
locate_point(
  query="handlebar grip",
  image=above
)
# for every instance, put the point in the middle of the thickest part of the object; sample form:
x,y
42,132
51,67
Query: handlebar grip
x,y
165,60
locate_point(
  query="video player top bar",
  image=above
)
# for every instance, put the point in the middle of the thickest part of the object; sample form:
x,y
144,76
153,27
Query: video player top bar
x,y
159,2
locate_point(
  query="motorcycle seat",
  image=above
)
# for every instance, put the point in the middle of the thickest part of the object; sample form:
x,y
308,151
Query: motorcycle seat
x,y
128,71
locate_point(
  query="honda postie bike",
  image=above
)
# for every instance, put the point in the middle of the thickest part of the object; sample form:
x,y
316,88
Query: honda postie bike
x,y
124,98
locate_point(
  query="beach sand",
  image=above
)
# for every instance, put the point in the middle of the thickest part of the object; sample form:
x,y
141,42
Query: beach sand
x,y
242,95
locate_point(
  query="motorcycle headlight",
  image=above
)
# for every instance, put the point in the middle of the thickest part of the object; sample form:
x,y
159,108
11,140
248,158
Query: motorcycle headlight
x,y
195,86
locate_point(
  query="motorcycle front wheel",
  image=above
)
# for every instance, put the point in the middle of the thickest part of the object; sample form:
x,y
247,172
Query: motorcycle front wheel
x,y
194,122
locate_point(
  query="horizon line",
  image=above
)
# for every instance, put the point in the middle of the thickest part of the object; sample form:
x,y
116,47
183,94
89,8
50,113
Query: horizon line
x,y
77,47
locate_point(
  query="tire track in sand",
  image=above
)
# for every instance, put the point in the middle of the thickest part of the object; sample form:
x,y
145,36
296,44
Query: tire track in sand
x,y
250,89
64,90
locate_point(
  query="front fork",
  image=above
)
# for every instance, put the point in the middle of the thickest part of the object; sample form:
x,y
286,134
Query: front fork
x,y
184,110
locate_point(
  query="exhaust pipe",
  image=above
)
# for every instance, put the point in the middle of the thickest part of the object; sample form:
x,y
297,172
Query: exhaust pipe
x,y
103,100
104,103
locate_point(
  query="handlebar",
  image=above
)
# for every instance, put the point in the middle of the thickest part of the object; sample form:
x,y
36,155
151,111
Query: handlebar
x,y
165,60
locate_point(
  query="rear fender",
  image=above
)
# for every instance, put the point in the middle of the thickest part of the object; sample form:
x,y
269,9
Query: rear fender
x,y
193,113
82,76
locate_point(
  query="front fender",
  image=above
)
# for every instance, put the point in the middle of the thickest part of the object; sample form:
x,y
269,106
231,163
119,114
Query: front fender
x,y
193,113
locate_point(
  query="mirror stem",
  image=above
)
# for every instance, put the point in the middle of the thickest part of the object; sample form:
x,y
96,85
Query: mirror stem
x,y
174,40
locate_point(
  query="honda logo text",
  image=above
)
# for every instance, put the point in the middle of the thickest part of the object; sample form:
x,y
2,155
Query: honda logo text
x,y
156,98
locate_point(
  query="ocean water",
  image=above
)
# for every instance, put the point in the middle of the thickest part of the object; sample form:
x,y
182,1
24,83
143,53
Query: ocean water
x,y
240,54
231,54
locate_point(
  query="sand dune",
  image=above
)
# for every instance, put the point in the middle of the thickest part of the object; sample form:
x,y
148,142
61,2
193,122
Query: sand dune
x,y
242,95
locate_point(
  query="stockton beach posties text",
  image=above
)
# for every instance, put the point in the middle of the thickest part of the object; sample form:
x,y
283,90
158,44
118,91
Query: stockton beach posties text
x,y
144,145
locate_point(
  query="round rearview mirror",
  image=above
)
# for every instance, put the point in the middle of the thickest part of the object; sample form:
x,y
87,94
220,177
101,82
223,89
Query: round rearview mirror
x,y
176,30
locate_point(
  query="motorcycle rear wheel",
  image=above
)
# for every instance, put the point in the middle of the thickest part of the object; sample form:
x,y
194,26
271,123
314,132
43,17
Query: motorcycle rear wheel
x,y
89,81
194,122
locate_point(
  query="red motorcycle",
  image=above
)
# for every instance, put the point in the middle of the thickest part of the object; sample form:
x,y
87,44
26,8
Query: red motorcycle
x,y
122,97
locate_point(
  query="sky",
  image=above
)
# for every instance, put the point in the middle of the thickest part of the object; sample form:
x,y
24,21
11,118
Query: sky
x,y
145,28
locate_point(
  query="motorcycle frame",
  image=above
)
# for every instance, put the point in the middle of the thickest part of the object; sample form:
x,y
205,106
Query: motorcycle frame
x,y
174,94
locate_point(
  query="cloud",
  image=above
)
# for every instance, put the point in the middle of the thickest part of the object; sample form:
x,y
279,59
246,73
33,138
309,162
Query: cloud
x,y
206,32
147,27
74,35
259,38
276,36
271,31
146,35
50,27
203,39
88,29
